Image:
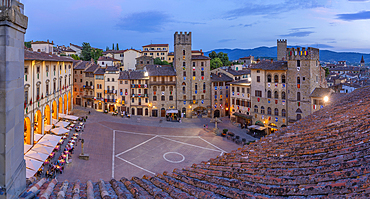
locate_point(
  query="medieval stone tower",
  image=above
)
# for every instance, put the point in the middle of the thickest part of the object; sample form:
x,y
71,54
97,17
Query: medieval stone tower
x,y
193,77
13,25
281,49
304,75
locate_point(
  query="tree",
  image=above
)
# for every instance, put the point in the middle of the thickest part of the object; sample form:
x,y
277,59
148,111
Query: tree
x,y
158,61
117,48
96,53
327,72
75,57
113,46
86,51
215,63
107,48
212,55
27,44
224,58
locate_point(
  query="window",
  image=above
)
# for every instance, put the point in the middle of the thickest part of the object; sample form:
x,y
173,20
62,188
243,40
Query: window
x,y
108,79
183,90
184,97
112,79
298,96
171,98
120,82
237,102
268,78
193,73
183,64
171,79
75,80
193,63
154,98
283,113
163,88
38,69
47,68
26,97
132,100
298,80
276,95
298,63
126,82
299,116
258,79
171,88
163,98
237,89
268,94
283,79
194,97
204,87
196,86
232,89
184,74
243,90
276,112
87,83
201,63
276,79
262,110
283,95
258,93
268,111
248,90
154,88
202,97
256,109
258,71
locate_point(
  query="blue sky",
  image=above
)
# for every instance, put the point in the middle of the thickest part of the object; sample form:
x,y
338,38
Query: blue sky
x,y
339,25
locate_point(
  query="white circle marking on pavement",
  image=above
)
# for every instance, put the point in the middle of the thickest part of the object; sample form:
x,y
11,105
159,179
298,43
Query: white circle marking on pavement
x,y
164,157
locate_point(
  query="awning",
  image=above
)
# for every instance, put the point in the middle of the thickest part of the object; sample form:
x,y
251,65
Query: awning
x,y
48,143
42,149
48,127
257,127
54,121
59,131
61,115
243,115
35,155
71,117
30,173
51,137
62,124
26,148
172,111
37,137
33,164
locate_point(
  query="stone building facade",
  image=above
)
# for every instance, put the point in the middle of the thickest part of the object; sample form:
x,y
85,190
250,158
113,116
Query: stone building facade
x,y
193,77
139,95
99,102
220,94
162,90
142,61
282,45
88,87
156,51
111,85
124,92
240,101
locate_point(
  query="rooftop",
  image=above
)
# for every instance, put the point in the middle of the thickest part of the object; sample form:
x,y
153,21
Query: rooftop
x,y
220,77
41,56
324,155
156,45
159,70
194,57
271,65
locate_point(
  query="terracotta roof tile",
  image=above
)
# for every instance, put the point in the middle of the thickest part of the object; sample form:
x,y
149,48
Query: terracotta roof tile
x,y
324,155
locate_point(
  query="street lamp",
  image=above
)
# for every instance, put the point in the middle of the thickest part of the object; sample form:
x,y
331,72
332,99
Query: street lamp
x,y
326,99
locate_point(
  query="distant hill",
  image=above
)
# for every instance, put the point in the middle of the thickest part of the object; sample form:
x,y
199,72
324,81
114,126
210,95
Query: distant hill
x,y
325,55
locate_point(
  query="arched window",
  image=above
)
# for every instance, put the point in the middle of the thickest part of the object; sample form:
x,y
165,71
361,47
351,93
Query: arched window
x,y
183,52
299,117
256,109
108,79
283,113
298,96
262,110
268,78
276,95
163,88
90,83
268,111
184,84
283,79
283,95
298,110
298,80
154,88
196,86
108,88
204,86
276,79
87,83
268,94
112,79
276,112
171,88
183,89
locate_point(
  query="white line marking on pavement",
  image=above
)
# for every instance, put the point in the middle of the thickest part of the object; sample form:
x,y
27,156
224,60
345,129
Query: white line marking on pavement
x,y
114,144
189,144
105,126
180,136
172,161
136,133
136,165
136,146
212,144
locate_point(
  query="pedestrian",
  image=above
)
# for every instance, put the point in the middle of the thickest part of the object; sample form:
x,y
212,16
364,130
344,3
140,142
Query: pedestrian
x,y
206,126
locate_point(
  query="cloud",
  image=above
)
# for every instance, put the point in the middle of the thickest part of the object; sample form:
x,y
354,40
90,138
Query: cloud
x,y
298,34
251,9
225,40
359,0
150,21
243,25
298,29
355,16
321,46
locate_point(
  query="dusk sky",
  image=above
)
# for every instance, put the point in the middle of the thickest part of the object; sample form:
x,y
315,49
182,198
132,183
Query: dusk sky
x,y
338,25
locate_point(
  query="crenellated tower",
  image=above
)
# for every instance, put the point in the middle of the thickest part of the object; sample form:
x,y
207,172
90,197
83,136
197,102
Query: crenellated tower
x,y
281,49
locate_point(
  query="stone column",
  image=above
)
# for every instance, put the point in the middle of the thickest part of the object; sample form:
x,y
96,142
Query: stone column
x,y
13,25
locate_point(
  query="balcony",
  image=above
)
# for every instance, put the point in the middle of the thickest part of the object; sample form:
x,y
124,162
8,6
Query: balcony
x,y
109,100
111,91
88,87
139,85
139,95
163,83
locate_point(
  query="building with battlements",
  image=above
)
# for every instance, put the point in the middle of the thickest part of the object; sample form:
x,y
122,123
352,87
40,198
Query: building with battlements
x,y
193,78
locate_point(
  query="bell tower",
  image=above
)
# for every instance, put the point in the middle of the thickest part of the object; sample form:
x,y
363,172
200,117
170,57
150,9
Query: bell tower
x,y
13,25
281,49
